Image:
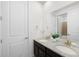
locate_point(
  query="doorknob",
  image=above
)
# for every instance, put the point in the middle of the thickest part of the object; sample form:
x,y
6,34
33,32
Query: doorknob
x,y
26,37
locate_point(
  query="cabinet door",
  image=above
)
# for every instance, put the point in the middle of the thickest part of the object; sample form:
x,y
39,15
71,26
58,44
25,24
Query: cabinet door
x,y
36,50
15,32
50,53
39,50
41,53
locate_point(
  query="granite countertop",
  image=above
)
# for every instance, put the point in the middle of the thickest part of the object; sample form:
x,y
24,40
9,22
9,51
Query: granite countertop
x,y
52,45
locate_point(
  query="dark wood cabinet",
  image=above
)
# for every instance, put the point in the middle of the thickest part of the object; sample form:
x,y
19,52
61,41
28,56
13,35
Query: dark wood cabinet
x,y
39,50
42,51
51,53
36,50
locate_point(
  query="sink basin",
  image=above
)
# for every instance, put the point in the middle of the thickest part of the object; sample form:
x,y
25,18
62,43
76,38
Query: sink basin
x,y
66,50
43,40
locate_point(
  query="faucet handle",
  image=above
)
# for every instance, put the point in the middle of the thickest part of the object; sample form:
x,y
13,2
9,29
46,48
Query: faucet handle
x,y
68,43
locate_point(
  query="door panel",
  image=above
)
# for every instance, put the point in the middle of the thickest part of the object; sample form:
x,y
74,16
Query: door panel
x,y
0,50
0,39
15,25
17,28
17,18
0,31
17,47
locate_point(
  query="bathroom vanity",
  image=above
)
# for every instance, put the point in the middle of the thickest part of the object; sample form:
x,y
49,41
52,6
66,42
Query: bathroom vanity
x,y
49,48
42,51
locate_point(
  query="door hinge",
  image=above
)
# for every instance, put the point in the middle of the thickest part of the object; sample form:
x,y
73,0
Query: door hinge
x,y
26,37
1,41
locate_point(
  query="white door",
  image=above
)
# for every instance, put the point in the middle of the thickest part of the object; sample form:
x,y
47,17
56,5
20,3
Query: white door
x,y
0,38
0,32
15,33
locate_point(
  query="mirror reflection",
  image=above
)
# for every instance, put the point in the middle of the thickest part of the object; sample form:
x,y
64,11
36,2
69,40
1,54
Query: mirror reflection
x,y
62,24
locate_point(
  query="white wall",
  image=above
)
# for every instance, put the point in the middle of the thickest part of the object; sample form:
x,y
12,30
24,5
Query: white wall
x,y
40,20
49,20
35,19
35,23
72,18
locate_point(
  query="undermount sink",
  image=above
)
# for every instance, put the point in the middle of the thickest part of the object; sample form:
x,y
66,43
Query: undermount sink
x,y
43,40
66,50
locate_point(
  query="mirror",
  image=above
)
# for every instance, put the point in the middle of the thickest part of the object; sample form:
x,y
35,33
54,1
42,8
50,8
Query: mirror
x,y
62,24
67,21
